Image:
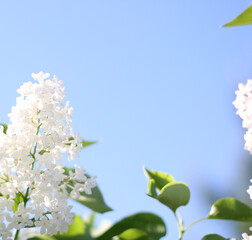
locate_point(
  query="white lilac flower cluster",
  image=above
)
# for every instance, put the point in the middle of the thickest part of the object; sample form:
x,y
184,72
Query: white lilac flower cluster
x,y
243,103
33,186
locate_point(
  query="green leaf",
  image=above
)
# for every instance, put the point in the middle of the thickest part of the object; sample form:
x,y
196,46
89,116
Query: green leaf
x,y
172,195
161,179
5,126
149,223
78,230
86,143
216,237
245,18
18,199
133,234
94,201
230,209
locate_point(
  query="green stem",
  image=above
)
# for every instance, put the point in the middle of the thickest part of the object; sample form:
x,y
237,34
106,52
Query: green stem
x,y
202,219
180,219
32,166
25,202
28,189
180,228
16,235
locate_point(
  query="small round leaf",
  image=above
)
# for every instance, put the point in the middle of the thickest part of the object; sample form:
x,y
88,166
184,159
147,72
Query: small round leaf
x,y
174,195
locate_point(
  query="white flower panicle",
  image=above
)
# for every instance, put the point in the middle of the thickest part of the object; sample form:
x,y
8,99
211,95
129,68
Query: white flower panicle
x,y
33,185
243,103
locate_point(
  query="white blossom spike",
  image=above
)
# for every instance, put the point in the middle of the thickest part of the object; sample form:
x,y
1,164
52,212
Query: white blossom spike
x,y
31,166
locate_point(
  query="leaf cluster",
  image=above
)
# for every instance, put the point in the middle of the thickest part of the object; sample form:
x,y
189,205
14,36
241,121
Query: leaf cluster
x,y
146,225
173,195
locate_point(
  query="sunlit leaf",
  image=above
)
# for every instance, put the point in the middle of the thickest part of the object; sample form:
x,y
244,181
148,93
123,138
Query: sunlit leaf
x,y
91,220
149,223
245,18
78,230
230,209
160,178
172,195
95,201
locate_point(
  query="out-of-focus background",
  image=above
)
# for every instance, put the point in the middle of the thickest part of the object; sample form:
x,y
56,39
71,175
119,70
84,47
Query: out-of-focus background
x,y
154,81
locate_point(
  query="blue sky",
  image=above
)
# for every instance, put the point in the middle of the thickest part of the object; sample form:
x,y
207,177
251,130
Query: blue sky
x,y
154,81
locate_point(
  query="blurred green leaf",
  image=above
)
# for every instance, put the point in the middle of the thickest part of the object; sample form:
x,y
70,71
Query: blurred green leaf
x,y
172,195
78,230
245,18
161,179
230,209
42,237
5,126
133,234
18,199
94,201
216,237
91,220
152,188
149,223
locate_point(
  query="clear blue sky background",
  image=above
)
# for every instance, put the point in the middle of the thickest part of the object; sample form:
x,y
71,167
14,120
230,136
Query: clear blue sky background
x,y
153,80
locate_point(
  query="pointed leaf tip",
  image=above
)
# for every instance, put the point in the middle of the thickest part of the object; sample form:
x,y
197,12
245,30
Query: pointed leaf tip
x,y
87,143
160,178
245,18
